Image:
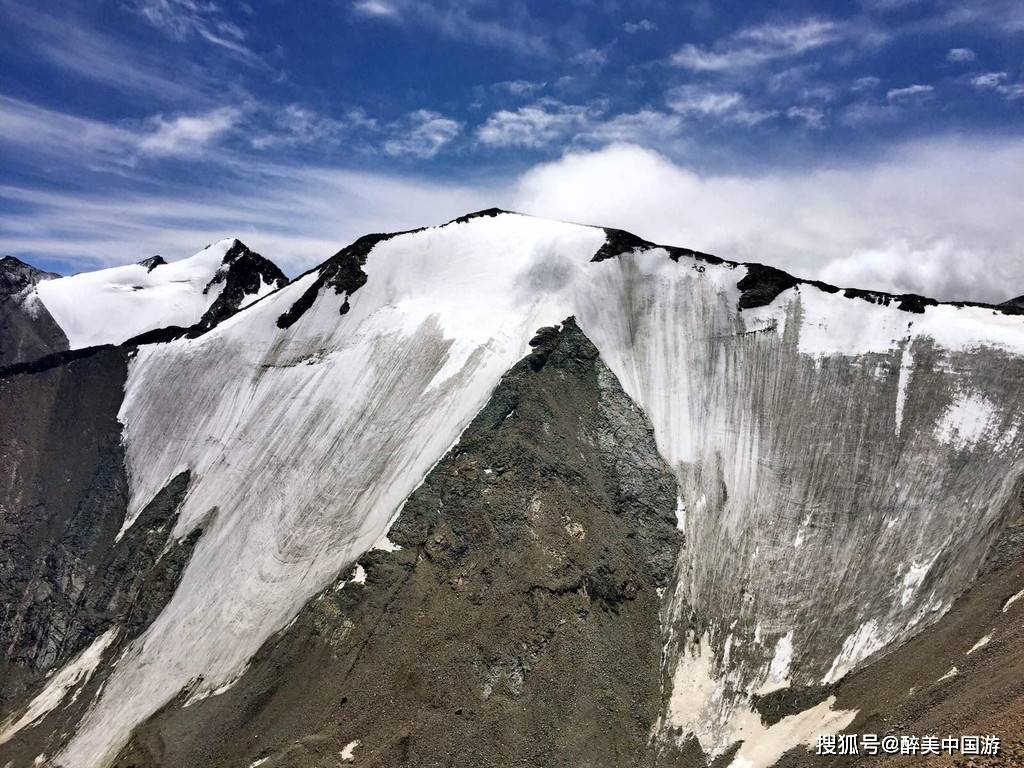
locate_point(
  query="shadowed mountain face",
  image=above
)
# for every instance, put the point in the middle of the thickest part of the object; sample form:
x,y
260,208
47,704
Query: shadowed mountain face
x,y
840,464
27,331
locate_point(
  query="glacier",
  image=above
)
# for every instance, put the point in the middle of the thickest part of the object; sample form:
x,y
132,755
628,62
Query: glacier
x,y
109,306
825,446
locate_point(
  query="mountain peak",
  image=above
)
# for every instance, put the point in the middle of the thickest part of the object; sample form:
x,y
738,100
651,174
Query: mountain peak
x,y
16,275
152,262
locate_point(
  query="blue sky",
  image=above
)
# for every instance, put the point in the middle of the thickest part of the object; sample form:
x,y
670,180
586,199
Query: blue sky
x,y
132,127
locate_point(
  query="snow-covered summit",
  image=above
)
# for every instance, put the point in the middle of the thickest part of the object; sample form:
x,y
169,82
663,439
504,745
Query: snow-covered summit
x,y
109,306
795,416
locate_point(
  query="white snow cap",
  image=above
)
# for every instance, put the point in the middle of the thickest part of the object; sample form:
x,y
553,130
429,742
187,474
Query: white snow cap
x,y
109,306
308,440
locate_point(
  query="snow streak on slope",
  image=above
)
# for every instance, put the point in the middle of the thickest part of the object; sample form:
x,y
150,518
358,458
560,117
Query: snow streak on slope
x,y
780,423
307,440
109,306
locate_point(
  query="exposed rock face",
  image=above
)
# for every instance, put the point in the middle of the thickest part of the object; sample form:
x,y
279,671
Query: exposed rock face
x,y
840,462
519,618
64,580
244,276
27,330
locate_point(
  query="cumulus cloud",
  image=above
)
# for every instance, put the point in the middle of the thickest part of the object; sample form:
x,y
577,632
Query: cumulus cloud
x,y
931,218
934,218
421,134
532,126
958,55
187,134
643,25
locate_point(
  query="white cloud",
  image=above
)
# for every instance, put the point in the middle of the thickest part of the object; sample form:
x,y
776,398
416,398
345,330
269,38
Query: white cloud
x,y
929,218
643,25
533,126
518,87
295,125
646,127
421,134
182,19
910,92
187,134
997,81
727,106
811,117
511,28
592,59
756,45
695,99
299,218
960,55
98,144
989,80
375,8
865,84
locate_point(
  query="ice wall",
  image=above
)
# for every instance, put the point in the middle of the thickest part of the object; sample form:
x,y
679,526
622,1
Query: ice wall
x,y
842,465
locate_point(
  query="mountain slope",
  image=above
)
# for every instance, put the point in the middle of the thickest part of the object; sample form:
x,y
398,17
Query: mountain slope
x,y
810,432
110,306
27,331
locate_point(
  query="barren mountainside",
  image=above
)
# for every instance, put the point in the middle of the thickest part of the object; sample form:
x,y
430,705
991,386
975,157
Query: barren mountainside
x,y
506,491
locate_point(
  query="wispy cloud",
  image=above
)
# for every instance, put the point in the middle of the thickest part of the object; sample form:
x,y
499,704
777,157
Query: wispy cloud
x,y
958,55
910,92
421,134
642,25
95,144
535,125
302,215
726,106
204,19
810,117
72,44
518,87
296,125
756,45
186,134
508,27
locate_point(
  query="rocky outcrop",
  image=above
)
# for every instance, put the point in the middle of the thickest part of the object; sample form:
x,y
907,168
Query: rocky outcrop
x,y
65,577
27,330
519,617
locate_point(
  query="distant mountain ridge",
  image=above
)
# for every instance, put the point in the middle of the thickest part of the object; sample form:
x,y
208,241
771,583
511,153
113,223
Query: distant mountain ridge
x,y
44,312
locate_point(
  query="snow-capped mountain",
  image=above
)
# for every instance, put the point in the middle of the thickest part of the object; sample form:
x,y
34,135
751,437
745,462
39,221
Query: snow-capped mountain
x,y
503,489
109,306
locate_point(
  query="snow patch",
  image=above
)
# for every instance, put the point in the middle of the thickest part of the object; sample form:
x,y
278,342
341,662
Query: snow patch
x,y
778,670
980,644
1013,599
858,646
953,672
75,674
966,421
349,752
